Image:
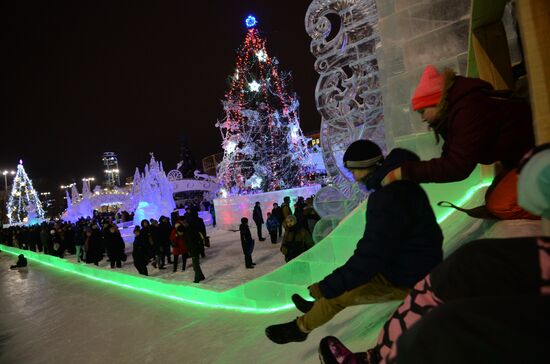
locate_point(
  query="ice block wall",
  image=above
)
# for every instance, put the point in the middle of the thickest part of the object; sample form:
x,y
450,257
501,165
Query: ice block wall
x,y
230,210
415,33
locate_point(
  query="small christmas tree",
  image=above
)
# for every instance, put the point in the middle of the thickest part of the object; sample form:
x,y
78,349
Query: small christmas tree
x,y
264,148
23,205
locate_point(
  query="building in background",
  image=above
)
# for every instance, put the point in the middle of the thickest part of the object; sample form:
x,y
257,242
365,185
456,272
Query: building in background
x,y
210,163
314,139
111,171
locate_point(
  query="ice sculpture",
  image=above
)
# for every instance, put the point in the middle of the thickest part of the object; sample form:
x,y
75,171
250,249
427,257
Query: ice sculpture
x,y
414,34
84,207
348,97
152,193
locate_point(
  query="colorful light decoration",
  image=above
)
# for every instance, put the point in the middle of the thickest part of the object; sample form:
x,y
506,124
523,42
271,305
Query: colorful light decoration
x,y
250,21
23,206
262,119
254,86
262,57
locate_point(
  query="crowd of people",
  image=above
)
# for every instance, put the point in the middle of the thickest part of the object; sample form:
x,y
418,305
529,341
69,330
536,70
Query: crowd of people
x,y
298,228
95,238
488,301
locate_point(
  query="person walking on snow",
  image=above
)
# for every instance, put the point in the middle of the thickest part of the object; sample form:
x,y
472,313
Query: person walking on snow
x,y
247,243
258,218
278,213
401,243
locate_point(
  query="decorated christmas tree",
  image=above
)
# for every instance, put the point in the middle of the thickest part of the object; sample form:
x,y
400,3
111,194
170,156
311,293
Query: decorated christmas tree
x,y
264,148
23,205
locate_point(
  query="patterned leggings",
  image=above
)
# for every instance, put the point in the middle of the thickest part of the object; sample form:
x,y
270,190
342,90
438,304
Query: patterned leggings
x,y
422,299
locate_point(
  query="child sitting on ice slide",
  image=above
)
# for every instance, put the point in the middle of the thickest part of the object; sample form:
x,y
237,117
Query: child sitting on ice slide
x,y
488,302
401,243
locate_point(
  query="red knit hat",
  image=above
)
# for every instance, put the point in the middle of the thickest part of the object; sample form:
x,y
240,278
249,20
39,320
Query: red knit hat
x,y
429,89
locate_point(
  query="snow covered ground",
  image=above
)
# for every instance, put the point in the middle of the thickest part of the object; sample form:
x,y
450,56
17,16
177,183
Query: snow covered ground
x,y
48,316
224,263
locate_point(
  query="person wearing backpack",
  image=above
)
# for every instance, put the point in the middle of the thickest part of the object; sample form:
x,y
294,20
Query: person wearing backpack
x,y
478,126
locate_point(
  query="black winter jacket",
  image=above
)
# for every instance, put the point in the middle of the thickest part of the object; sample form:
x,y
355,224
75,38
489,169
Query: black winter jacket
x,y
247,242
402,240
257,215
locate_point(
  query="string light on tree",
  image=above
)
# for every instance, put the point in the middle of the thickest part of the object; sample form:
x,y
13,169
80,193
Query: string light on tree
x,y
254,86
24,206
264,148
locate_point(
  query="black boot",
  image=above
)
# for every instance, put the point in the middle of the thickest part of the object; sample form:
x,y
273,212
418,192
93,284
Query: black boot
x,y
332,351
198,279
301,303
285,333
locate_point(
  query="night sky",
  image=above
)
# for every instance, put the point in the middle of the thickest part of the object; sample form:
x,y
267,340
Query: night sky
x,y
83,77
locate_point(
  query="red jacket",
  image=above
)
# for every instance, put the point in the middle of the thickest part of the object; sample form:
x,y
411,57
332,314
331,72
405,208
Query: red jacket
x,y
480,128
178,243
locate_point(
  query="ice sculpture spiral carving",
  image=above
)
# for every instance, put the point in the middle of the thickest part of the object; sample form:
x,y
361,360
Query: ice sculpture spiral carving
x,y
344,41
348,93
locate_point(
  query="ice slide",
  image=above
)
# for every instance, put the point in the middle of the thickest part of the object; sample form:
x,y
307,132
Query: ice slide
x,y
271,292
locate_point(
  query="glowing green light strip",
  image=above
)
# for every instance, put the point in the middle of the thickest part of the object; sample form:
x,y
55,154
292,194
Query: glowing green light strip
x,y
243,298
469,194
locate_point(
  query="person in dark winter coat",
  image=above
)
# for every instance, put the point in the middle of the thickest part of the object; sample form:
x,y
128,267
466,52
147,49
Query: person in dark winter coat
x,y
58,249
145,233
247,243
272,225
278,213
402,242
212,211
93,246
285,208
178,246
141,251
115,246
197,224
165,230
158,249
296,240
258,218
194,246
484,303
478,126
45,239
21,262
299,211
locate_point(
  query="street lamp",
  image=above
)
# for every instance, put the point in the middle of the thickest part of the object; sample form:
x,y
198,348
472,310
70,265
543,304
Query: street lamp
x,y
5,173
67,186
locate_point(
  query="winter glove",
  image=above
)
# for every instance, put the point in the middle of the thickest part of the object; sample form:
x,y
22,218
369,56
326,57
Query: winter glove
x,y
315,291
392,176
